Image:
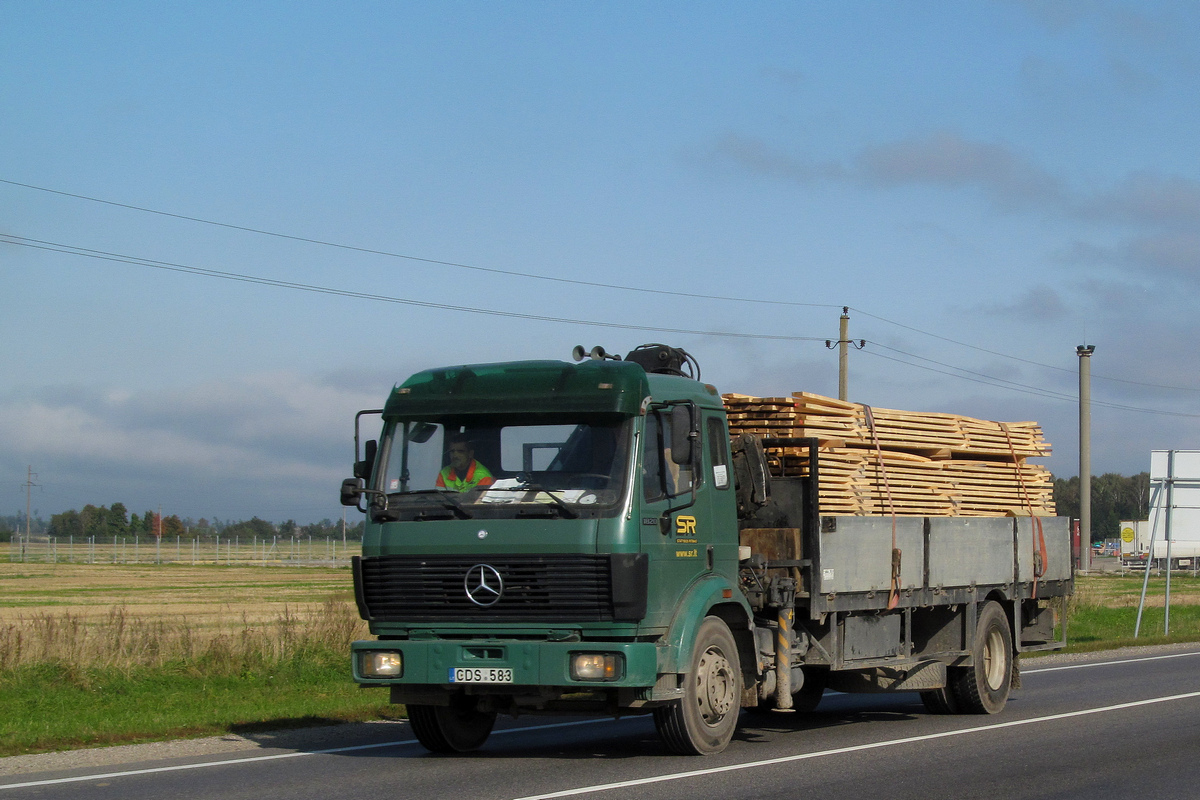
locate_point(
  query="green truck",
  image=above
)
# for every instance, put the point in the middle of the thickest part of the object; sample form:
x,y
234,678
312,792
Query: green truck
x,y
586,538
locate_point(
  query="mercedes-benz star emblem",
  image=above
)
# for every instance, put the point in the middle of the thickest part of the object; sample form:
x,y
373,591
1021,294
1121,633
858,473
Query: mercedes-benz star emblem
x,y
484,585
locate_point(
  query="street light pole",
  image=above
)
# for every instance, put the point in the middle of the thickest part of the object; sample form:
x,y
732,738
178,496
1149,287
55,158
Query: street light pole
x,y
1084,351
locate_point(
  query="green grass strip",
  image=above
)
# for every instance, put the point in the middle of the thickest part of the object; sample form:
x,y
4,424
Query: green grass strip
x,y
53,707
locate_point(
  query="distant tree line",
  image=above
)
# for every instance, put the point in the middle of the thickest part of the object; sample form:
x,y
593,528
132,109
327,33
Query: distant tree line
x,y
1114,498
11,526
106,522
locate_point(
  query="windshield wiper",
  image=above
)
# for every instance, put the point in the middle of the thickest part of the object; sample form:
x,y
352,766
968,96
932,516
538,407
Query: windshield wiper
x,y
447,499
537,488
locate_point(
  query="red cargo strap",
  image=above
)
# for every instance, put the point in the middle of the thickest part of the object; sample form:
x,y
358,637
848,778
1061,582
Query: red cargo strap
x,y
894,591
1039,539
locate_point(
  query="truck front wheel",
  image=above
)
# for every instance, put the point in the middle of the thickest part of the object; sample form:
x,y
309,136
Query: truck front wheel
x,y
457,728
703,722
983,687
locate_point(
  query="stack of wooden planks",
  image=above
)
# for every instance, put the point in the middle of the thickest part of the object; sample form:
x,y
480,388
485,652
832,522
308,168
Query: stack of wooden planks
x,y
913,464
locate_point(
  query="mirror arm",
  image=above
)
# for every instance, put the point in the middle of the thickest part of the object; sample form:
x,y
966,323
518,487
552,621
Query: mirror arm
x,y
357,418
372,493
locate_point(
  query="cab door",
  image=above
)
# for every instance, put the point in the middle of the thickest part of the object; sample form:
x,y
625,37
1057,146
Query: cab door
x,y
673,527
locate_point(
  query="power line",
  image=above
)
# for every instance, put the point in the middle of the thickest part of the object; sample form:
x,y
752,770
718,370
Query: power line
x,y
570,281
984,377
56,247
959,372
389,254
1018,358
985,380
1001,383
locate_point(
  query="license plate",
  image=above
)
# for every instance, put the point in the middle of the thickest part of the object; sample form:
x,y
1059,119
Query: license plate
x,y
480,675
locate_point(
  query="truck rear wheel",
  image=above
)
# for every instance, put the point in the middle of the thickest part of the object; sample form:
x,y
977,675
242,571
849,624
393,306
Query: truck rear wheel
x,y
703,722
983,687
457,728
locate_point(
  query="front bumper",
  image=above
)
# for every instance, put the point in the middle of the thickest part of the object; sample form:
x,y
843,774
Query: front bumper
x,y
533,663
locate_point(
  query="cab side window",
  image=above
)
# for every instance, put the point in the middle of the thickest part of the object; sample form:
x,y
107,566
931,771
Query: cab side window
x,y
661,476
718,448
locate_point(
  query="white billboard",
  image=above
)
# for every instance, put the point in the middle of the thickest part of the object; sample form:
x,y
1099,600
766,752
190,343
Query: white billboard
x,y
1175,500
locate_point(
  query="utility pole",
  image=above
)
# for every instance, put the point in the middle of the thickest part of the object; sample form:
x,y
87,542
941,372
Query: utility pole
x,y
844,355
29,484
843,344
1084,351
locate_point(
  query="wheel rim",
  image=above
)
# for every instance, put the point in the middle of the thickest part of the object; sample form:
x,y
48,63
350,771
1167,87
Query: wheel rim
x,y
716,681
995,661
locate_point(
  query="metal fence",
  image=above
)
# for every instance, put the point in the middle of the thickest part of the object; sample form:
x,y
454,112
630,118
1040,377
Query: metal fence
x,y
325,551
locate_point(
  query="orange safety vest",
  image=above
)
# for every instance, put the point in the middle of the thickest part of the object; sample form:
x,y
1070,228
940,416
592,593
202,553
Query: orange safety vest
x,y
477,475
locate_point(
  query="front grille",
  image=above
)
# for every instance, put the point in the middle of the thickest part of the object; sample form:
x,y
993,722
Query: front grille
x,y
545,588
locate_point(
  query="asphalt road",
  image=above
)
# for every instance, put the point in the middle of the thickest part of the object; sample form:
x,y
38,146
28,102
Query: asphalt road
x,y
1116,725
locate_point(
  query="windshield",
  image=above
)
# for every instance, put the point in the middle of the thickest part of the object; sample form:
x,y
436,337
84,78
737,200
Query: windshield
x,y
461,469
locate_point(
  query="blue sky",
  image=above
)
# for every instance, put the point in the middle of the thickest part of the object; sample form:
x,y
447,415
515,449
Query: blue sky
x,y
986,186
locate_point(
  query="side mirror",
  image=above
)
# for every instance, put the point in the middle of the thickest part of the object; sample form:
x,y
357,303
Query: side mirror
x,y
362,469
681,434
351,491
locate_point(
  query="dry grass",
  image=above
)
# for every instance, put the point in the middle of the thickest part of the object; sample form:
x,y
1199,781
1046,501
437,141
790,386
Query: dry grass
x,y
1125,591
132,616
208,597
119,640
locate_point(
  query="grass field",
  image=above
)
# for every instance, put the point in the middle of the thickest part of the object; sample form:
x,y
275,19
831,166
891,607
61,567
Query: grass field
x,y
207,596
1103,611
97,654
105,653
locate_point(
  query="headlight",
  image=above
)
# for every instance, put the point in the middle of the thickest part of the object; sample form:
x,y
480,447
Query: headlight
x,y
596,666
381,664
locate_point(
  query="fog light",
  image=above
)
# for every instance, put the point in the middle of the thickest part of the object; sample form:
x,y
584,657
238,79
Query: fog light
x,y
596,666
381,664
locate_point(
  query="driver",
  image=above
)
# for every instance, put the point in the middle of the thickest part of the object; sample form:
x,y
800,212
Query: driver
x,y
463,473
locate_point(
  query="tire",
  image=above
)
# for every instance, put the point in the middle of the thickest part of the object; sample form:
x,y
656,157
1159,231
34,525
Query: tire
x,y
703,722
983,687
457,728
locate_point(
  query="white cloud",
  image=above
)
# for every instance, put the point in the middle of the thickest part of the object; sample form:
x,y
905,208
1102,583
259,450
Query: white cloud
x,y
1148,198
1039,303
249,445
949,159
760,158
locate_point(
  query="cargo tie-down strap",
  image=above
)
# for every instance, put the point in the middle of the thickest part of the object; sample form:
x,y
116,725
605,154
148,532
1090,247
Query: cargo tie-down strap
x,y
894,591
1039,540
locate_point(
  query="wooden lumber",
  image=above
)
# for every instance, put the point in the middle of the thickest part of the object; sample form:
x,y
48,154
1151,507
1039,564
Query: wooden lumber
x,y
903,462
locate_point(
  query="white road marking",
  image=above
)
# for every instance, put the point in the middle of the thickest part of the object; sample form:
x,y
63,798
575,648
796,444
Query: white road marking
x,y
277,756
677,776
1106,663
697,773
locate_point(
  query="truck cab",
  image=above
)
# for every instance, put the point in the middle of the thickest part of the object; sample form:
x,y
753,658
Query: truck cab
x,y
584,576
